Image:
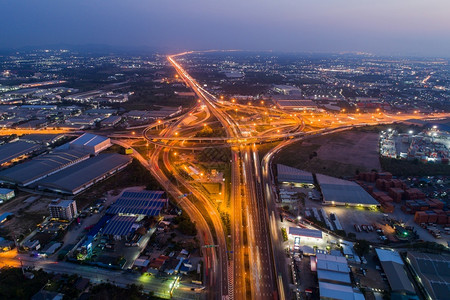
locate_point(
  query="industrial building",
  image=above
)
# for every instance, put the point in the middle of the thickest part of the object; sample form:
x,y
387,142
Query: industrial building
x,y
145,203
119,226
44,139
111,121
63,209
333,274
433,271
393,267
41,167
79,177
6,194
16,151
90,143
303,236
294,104
289,175
343,192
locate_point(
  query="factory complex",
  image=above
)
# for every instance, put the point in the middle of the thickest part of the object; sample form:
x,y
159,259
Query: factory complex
x,y
68,169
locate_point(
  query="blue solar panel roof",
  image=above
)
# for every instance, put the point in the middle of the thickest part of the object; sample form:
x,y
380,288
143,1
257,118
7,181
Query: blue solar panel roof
x,y
119,225
147,203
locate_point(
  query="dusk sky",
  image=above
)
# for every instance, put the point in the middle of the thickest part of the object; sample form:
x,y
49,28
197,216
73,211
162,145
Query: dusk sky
x,y
398,27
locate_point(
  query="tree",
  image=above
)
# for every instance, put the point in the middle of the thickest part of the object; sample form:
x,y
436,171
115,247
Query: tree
x,y
362,247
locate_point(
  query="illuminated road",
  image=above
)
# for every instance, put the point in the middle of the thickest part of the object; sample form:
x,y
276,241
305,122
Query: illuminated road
x,y
251,262
206,237
257,267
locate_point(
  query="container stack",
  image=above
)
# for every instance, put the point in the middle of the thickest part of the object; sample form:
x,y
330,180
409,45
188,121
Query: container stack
x,y
421,217
396,194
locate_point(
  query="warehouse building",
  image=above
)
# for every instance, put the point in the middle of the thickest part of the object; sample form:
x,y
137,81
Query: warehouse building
x,y
111,121
90,143
298,105
63,209
288,175
145,203
302,238
79,177
432,272
16,151
343,192
41,167
333,275
44,139
119,226
393,267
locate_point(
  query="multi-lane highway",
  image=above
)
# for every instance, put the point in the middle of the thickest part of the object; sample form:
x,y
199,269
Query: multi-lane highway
x,y
251,261
255,265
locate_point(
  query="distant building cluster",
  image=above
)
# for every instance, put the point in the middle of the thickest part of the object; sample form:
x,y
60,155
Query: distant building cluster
x,y
429,146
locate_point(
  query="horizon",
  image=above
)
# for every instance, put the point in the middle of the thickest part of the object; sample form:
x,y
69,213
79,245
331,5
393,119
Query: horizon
x,y
403,28
99,49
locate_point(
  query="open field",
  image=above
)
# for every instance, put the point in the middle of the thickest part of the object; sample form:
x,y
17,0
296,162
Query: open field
x,y
27,214
338,155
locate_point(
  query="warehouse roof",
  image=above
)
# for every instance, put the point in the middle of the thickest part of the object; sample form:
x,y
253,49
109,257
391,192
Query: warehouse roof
x,y
389,255
288,174
147,203
328,275
289,103
305,232
343,191
88,139
434,271
72,179
40,166
393,267
119,225
41,138
332,263
13,150
337,291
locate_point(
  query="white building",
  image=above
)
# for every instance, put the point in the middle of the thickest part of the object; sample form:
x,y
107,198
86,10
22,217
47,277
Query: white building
x,y
6,194
91,143
63,209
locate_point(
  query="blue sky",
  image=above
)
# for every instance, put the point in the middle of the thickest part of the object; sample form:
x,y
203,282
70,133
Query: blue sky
x,y
398,27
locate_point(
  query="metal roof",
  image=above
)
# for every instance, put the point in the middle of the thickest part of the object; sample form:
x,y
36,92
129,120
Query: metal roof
x,y
15,149
393,266
288,103
147,203
40,166
288,174
305,232
332,263
389,255
397,277
119,225
74,178
333,276
343,191
338,291
88,139
434,271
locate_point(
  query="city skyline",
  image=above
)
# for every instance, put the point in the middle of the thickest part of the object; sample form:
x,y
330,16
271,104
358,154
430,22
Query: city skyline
x,y
410,28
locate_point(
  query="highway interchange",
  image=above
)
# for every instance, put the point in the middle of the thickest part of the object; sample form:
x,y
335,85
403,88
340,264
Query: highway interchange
x,y
246,261
254,266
